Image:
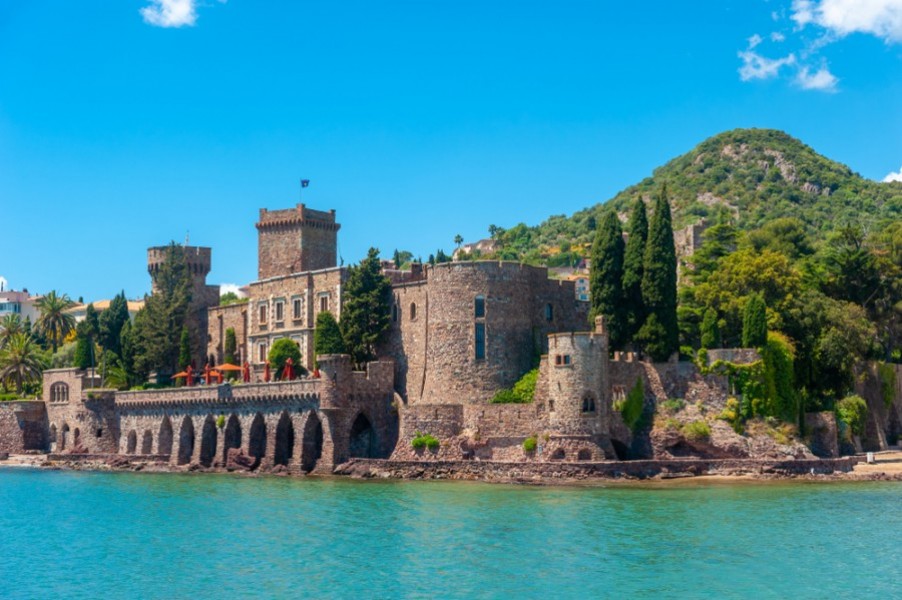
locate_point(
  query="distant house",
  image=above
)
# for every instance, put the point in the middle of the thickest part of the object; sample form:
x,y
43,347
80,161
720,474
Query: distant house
x,y
18,303
485,246
581,281
79,311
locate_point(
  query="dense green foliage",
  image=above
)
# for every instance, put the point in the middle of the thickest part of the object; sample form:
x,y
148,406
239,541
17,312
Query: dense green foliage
x,y
522,392
327,335
54,322
853,412
279,353
184,349
633,270
632,408
779,379
231,298
754,322
365,313
230,347
530,444
424,440
660,333
606,279
111,322
710,329
21,362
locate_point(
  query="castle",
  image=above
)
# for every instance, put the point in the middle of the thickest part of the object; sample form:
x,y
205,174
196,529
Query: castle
x,y
459,333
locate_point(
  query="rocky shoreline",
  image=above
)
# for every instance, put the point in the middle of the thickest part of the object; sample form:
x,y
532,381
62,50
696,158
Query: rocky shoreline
x,y
851,468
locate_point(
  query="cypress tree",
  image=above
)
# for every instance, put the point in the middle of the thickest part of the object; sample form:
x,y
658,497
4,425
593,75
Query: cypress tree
x,y
82,355
633,268
754,322
365,314
606,278
111,322
660,335
184,349
327,335
710,329
231,345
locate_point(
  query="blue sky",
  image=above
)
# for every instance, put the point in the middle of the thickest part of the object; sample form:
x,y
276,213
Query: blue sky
x,y
127,124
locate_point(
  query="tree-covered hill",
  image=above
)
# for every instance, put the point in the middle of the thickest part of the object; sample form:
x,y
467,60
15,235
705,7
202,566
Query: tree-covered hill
x,y
756,175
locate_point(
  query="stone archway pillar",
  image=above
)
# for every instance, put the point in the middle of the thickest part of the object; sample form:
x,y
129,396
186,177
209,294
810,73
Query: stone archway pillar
x,y
335,444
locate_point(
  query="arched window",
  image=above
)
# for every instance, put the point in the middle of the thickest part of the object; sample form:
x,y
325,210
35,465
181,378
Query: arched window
x,y
59,392
413,311
479,307
549,312
588,403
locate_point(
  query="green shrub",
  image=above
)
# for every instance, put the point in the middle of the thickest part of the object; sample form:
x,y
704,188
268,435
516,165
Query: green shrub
x,y
887,376
506,396
632,407
673,405
530,444
424,440
732,415
696,431
220,421
523,392
853,411
281,350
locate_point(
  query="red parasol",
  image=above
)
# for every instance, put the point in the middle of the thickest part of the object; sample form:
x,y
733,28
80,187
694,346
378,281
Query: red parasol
x,y
288,371
266,372
246,372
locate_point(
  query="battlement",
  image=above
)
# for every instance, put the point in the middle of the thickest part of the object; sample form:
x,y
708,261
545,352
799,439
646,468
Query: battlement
x,y
299,215
199,259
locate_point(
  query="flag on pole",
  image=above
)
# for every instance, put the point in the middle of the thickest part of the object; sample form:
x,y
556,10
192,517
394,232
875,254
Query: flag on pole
x,y
305,183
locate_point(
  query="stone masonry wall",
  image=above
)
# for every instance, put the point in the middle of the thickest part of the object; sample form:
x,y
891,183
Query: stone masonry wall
x,y
23,426
220,319
296,240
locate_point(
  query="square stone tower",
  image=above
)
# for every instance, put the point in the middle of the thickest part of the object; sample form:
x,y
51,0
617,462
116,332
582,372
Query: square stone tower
x,y
296,240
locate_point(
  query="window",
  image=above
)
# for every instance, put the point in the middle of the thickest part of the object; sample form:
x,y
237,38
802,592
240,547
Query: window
x,y
549,312
413,311
561,360
480,341
297,309
59,392
262,351
324,302
280,311
588,403
263,308
479,307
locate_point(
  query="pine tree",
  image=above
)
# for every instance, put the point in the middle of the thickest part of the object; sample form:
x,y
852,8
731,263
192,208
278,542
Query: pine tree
x,y
127,350
184,349
327,335
605,280
365,313
754,322
710,329
111,322
633,269
659,294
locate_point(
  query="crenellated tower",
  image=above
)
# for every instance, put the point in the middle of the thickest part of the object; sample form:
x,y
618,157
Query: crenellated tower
x,y
296,240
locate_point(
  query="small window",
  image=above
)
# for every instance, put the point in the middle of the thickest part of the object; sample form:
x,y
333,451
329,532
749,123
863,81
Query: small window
x,y
413,311
263,314
262,350
588,403
59,392
561,360
99,432
480,341
297,309
549,312
566,359
479,307
280,311
324,303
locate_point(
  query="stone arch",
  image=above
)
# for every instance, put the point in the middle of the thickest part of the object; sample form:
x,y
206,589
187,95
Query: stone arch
x,y
312,448
132,443
558,454
53,433
232,436
284,440
584,454
64,436
362,442
621,450
256,443
164,440
186,441
208,441
147,442
59,392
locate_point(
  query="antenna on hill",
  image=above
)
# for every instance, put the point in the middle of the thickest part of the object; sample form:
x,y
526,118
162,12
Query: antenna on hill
x,y
187,233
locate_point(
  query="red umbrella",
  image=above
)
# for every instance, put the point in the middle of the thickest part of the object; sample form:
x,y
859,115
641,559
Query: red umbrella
x,y
208,376
246,373
266,372
288,371
189,374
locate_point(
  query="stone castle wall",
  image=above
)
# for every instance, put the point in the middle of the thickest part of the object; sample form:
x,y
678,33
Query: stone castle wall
x,y
221,318
23,426
295,240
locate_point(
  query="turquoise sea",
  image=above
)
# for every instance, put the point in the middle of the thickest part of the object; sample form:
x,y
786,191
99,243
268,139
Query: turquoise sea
x,y
102,535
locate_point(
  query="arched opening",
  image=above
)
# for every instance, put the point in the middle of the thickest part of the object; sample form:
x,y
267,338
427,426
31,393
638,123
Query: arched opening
x,y
164,441
208,441
584,454
53,441
284,440
76,437
186,441
558,454
413,311
588,402
362,443
64,437
147,442
132,444
313,443
232,437
620,450
256,445
59,392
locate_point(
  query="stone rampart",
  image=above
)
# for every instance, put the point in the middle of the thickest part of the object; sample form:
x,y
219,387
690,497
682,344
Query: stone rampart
x,y
23,426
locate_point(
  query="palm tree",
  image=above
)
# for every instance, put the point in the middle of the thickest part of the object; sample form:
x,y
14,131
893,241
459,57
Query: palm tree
x,y
21,361
55,323
10,325
458,239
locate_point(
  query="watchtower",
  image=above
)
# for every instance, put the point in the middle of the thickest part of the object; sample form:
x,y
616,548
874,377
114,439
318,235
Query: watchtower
x,y
296,240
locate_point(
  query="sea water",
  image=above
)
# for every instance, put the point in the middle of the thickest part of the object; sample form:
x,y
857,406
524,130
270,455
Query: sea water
x,y
124,535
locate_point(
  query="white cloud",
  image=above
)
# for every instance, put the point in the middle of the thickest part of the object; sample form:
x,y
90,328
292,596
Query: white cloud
x,y
225,288
777,37
880,18
755,66
754,41
170,13
822,79
894,176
